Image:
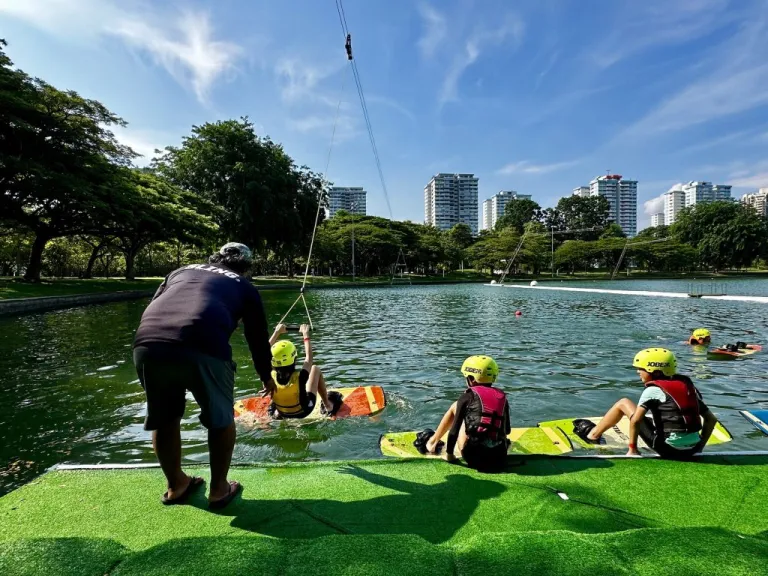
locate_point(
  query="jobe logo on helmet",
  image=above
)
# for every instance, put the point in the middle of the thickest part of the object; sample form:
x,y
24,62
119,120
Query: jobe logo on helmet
x,y
473,370
658,364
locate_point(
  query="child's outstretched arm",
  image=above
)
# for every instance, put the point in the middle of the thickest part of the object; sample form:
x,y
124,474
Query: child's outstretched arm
x,y
280,329
308,359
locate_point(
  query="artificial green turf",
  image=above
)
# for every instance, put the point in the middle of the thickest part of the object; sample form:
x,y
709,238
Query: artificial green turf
x,y
401,517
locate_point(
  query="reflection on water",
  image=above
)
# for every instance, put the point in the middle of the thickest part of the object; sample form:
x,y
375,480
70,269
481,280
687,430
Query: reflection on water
x,y
69,391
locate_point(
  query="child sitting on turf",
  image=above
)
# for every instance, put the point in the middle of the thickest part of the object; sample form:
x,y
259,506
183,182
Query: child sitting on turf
x,y
675,430
295,391
478,421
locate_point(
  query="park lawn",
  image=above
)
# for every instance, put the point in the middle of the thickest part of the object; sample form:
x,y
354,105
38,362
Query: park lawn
x,y
15,288
543,516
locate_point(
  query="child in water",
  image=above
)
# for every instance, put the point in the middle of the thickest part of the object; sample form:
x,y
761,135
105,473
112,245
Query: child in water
x,y
478,421
674,429
700,337
294,394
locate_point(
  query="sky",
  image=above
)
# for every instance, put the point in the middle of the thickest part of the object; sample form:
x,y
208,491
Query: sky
x,y
537,96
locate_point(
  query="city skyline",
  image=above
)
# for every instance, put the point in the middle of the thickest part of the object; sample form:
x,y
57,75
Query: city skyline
x,y
350,198
666,92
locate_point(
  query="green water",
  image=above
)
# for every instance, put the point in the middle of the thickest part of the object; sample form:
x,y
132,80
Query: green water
x,y
69,392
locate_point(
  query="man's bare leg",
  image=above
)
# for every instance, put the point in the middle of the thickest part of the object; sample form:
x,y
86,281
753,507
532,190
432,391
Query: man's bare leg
x,y
624,407
443,427
221,444
167,444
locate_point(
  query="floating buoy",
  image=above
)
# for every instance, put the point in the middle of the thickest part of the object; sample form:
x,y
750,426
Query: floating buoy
x,y
518,313
534,283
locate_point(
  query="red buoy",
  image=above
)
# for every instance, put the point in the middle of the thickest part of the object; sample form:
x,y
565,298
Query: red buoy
x,y
518,313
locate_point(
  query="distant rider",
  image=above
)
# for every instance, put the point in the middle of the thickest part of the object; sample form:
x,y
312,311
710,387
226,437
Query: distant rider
x,y
674,429
295,392
700,337
478,421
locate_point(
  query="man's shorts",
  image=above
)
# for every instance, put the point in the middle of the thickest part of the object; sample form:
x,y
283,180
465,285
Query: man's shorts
x,y
658,443
166,372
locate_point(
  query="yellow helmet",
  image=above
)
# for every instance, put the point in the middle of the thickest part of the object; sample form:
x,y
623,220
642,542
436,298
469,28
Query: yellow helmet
x,y
652,359
700,334
483,369
283,354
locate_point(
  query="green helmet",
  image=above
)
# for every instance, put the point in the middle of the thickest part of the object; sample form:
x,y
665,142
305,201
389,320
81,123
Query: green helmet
x,y
283,354
483,369
652,359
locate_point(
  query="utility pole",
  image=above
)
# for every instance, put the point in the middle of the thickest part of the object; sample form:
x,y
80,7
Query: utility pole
x,y
553,250
353,242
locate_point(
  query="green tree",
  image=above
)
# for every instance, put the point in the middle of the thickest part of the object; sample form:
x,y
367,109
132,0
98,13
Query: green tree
x,y
726,234
153,211
517,213
613,230
58,160
266,200
587,214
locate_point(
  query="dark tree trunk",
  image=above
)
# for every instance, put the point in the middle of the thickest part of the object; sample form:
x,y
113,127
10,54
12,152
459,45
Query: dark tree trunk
x,y
92,260
36,257
130,260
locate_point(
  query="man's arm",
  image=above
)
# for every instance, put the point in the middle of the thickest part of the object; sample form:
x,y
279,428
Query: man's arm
x,y
257,336
161,288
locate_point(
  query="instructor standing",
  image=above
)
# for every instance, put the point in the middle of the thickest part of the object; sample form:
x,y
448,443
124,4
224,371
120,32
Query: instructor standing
x,y
182,344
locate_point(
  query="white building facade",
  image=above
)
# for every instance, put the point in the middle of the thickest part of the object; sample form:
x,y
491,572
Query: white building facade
x,y
450,199
344,198
622,200
674,202
494,207
757,201
699,192
582,191
657,219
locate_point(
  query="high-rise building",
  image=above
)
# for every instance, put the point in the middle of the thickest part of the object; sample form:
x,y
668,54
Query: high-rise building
x,y
721,192
657,219
622,200
494,207
345,198
450,199
582,191
628,207
699,192
674,202
758,201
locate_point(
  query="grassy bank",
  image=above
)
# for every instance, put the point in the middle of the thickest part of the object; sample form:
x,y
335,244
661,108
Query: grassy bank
x,y
544,517
15,288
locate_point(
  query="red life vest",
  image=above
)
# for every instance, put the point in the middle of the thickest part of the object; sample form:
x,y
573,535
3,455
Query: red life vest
x,y
680,411
485,413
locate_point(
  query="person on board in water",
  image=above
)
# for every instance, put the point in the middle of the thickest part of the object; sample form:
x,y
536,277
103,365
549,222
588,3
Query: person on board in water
x,y
674,429
182,343
294,394
700,337
477,423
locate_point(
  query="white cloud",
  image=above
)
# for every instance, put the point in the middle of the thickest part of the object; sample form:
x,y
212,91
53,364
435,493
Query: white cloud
x,y
525,167
650,23
654,205
183,42
144,142
734,80
759,180
512,28
300,80
390,103
436,29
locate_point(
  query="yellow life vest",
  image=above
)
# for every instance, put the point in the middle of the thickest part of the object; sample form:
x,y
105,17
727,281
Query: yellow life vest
x,y
286,397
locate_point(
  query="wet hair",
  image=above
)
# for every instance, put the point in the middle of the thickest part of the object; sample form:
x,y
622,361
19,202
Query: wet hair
x,y
284,373
232,260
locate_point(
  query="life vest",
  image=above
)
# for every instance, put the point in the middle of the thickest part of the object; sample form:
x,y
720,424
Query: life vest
x,y
485,414
680,411
287,397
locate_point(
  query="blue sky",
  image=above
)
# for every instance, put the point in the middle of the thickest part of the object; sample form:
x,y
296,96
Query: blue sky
x,y
538,96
